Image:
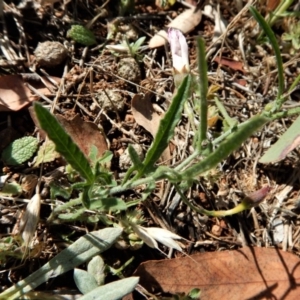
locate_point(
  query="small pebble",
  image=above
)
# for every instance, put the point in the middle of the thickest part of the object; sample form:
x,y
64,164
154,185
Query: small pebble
x,y
50,54
129,69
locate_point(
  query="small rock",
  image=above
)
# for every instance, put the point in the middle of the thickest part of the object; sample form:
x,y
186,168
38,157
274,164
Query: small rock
x,y
129,69
50,54
114,102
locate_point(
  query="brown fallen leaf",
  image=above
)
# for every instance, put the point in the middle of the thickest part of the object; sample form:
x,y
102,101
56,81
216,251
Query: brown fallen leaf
x,y
145,115
247,273
14,94
84,134
232,64
272,5
185,22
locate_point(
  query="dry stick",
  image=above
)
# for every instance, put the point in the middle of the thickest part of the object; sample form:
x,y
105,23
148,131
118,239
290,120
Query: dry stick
x,y
48,78
22,39
62,82
42,96
118,126
130,82
221,240
283,194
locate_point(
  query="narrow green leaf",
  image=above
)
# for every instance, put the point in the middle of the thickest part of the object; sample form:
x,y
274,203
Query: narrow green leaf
x,y
84,281
93,154
270,34
233,142
71,217
64,144
203,86
134,158
79,252
167,126
86,199
113,291
286,143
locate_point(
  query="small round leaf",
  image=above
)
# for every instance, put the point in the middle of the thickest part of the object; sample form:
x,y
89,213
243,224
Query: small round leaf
x,y
20,150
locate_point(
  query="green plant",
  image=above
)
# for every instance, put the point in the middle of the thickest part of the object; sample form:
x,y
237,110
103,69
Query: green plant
x,y
279,12
99,186
82,250
20,150
100,191
293,36
133,49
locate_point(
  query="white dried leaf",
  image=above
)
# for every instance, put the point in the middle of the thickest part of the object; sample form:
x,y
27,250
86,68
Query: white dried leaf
x,y
118,48
143,235
30,219
165,237
152,234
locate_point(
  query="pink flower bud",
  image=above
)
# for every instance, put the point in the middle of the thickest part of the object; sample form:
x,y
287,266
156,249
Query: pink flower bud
x,y
179,50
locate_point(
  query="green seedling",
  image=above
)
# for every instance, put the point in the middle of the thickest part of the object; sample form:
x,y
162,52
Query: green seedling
x,y
131,49
293,36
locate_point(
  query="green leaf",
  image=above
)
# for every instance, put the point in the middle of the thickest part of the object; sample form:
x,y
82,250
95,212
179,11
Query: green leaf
x,y
20,150
70,217
270,34
57,189
286,143
81,35
232,143
79,252
166,127
85,196
64,144
135,158
138,43
96,267
93,154
108,204
106,157
84,281
195,294
46,153
113,291
147,191
11,189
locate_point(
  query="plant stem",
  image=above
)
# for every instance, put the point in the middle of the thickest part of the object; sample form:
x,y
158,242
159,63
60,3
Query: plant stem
x,y
282,7
230,121
283,114
203,86
212,213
